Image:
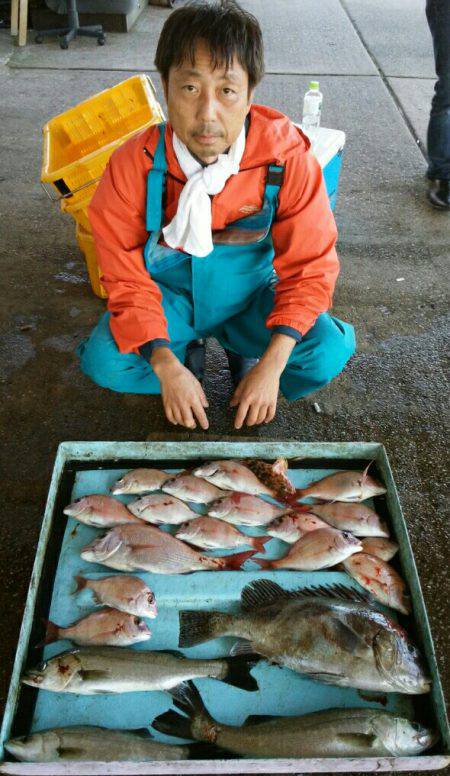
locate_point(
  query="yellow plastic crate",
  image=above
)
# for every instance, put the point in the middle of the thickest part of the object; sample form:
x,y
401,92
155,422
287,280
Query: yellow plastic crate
x,y
78,143
78,208
86,243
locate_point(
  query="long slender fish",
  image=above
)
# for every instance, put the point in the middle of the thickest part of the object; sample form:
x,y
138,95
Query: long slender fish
x,y
293,525
381,548
360,519
94,670
84,742
161,509
332,634
108,626
128,594
190,488
100,511
210,533
344,486
233,475
316,550
132,547
331,733
380,579
245,509
140,481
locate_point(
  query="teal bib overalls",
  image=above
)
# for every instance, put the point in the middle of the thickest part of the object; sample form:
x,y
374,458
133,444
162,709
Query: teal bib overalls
x,y
227,294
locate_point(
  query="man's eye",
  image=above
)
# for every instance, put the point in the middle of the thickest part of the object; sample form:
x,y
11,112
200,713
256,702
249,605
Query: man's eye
x,y
229,91
189,87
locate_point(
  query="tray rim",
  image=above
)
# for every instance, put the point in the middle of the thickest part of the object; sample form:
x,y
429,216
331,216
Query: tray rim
x,y
111,451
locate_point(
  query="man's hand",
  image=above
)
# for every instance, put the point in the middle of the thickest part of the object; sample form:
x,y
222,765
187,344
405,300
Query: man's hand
x,y
182,395
257,393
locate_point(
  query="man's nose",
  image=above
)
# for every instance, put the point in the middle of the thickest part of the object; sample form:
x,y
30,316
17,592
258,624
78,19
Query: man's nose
x,y
207,108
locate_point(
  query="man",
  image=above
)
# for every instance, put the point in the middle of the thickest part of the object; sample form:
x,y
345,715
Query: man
x,y
191,222
438,137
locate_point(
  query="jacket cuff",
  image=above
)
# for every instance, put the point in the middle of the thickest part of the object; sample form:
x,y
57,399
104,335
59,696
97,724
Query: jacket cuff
x,y
288,330
147,348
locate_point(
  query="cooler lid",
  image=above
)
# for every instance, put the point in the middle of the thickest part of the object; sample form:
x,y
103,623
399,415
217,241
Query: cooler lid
x,y
325,143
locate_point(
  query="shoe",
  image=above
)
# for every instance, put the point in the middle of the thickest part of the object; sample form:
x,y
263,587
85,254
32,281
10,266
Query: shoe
x,y
239,366
195,358
438,194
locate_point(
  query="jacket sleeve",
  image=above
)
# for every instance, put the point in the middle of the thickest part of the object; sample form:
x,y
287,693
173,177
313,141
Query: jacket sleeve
x,y
304,236
117,217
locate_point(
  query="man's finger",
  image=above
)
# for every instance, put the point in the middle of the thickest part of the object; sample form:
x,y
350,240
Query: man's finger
x,y
203,398
262,414
169,415
188,418
235,399
270,413
253,414
177,416
200,415
241,413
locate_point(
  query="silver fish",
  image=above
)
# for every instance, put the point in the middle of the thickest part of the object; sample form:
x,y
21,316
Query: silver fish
x,y
108,626
360,519
140,481
381,548
380,579
344,486
317,549
122,592
232,475
161,508
244,509
190,488
94,670
100,511
332,634
331,733
150,549
293,525
210,533
84,742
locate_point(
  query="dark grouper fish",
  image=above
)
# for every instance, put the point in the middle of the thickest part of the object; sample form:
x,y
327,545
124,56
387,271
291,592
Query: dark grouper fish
x,y
332,634
331,733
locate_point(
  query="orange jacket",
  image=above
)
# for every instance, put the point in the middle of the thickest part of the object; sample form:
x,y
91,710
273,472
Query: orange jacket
x,y
304,232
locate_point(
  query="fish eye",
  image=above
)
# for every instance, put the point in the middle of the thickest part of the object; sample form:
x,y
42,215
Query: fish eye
x,y
416,726
151,598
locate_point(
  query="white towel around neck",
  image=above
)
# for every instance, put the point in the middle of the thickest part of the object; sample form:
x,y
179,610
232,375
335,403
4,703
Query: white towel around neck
x,y
190,229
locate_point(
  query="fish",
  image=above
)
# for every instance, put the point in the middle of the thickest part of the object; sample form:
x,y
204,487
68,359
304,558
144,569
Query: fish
x,y
161,508
140,481
331,733
100,511
150,549
332,634
233,475
360,519
293,525
245,509
381,548
108,626
274,475
122,592
97,670
190,488
344,486
86,742
380,579
316,550
210,533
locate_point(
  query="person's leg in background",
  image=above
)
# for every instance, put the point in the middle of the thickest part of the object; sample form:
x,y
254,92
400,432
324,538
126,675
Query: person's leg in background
x,y
438,138
315,361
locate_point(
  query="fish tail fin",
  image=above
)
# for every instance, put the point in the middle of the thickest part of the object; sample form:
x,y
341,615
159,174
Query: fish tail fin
x,y
195,628
258,542
239,672
51,633
263,563
234,562
187,699
173,724
81,584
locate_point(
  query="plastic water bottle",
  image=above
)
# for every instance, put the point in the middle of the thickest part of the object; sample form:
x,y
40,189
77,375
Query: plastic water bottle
x,y
312,107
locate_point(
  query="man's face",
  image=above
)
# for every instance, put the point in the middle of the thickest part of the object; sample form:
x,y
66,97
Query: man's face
x,y
206,107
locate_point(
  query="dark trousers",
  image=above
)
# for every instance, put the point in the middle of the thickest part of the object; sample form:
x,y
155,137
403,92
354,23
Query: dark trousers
x,y
438,139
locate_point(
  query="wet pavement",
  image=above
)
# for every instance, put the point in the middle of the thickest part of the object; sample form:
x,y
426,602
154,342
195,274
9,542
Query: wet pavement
x,y
392,245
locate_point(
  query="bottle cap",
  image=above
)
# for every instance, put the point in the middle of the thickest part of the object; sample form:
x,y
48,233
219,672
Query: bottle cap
x,y
313,84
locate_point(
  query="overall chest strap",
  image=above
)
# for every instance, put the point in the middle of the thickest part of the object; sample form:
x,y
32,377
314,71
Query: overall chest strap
x,y
274,179
156,185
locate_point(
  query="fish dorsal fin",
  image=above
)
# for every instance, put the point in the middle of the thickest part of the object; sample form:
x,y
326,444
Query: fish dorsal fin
x,y
258,719
142,732
263,592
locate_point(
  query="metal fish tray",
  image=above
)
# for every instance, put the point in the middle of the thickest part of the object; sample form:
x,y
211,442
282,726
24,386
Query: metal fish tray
x,y
91,467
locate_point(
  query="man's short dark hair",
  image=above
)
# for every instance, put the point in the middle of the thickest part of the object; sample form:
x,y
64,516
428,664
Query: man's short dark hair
x,y
226,29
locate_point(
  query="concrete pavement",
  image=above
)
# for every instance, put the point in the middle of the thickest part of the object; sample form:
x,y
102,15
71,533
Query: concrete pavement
x,y
375,66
